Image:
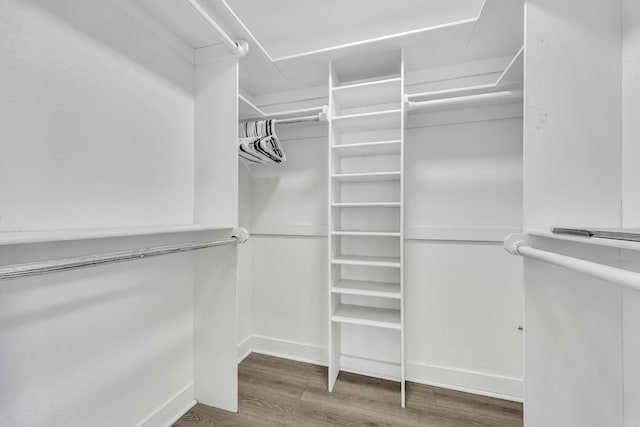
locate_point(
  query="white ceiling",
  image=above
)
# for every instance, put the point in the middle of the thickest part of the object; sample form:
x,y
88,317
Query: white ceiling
x,y
290,27
292,41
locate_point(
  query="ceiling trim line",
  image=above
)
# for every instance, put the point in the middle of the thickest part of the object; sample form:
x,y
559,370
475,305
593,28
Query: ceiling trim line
x,y
255,40
378,39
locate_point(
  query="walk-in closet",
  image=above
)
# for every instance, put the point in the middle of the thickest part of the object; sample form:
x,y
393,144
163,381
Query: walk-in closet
x,y
310,213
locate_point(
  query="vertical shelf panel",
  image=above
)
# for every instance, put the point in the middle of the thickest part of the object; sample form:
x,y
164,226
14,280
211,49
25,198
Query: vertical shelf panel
x,y
357,137
403,117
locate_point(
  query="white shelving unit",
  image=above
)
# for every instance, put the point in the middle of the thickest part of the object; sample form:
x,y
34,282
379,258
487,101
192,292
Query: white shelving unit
x,y
366,139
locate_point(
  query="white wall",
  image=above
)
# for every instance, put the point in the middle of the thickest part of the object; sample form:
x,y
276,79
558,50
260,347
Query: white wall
x,y
573,324
630,114
631,200
102,346
289,273
464,298
97,130
245,264
96,123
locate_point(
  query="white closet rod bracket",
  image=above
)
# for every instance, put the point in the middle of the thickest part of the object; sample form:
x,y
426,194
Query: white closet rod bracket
x,y
517,244
240,234
239,47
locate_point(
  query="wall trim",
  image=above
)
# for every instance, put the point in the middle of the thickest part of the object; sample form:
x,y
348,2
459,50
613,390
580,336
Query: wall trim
x,y
498,386
369,367
245,347
480,383
446,234
311,230
462,234
293,350
171,410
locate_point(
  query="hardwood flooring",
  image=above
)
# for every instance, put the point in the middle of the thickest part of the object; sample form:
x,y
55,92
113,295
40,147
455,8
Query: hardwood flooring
x,y
280,392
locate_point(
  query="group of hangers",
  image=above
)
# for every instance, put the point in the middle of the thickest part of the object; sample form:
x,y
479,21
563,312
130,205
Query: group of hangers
x,y
258,142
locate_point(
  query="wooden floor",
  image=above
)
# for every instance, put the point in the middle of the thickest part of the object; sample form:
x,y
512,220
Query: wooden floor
x,y
277,392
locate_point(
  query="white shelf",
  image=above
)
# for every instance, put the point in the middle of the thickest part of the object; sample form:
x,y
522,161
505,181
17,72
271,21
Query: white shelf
x,y
379,120
514,73
44,236
481,99
366,205
451,93
369,93
367,316
248,110
367,177
368,149
367,261
366,233
370,289
611,243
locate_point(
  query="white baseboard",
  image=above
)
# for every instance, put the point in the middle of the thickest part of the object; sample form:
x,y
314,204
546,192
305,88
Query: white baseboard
x,y
501,387
171,410
293,350
244,348
481,383
370,368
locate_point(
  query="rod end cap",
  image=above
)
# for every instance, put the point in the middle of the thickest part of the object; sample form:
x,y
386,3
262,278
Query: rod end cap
x,y
513,242
241,234
242,48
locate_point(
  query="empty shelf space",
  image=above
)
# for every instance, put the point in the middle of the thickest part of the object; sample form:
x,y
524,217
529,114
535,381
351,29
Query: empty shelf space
x,y
367,316
366,205
371,289
367,176
368,149
369,93
370,261
379,120
366,233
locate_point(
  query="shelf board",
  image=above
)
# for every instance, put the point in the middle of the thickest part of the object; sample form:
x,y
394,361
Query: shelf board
x,y
371,289
598,241
367,316
467,101
514,73
44,236
389,119
451,93
376,92
366,233
366,205
367,177
367,261
368,149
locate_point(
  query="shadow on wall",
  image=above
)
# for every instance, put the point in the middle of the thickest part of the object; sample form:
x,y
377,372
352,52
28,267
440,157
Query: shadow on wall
x,y
117,25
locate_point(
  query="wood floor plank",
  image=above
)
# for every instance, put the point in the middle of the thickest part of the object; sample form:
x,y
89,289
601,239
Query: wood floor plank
x,y
280,392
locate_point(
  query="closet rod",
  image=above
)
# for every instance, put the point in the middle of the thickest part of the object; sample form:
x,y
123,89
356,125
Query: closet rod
x,y
15,271
320,117
317,118
239,47
464,101
516,245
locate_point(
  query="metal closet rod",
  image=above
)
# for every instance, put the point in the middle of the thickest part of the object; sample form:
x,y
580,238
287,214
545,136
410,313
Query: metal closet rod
x,y
239,47
320,117
15,271
316,118
515,244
